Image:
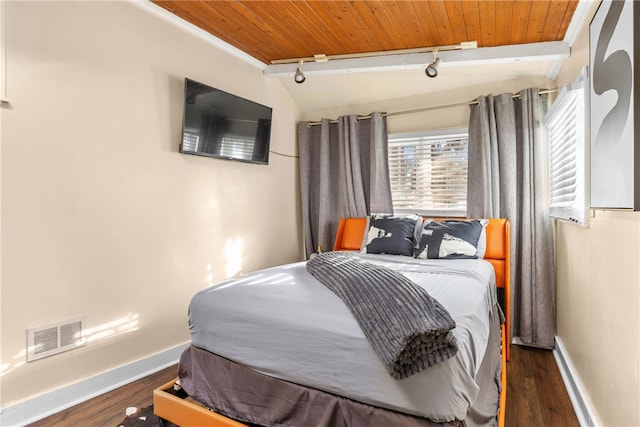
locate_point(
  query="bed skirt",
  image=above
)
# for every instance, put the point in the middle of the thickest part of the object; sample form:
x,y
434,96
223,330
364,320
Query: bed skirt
x,y
245,395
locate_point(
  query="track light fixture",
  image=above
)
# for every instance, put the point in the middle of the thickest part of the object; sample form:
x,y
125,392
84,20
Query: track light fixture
x,y
404,59
432,69
299,77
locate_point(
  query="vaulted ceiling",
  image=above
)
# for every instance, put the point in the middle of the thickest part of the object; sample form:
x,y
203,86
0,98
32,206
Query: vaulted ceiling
x,y
277,30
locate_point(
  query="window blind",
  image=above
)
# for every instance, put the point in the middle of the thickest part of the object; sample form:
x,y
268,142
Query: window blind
x,y
428,172
566,124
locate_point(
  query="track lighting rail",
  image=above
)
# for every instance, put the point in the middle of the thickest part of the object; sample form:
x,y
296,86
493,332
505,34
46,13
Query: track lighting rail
x,y
327,64
325,58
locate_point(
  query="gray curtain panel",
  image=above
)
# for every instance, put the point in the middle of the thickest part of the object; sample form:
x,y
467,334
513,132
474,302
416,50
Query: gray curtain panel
x,y
508,178
344,172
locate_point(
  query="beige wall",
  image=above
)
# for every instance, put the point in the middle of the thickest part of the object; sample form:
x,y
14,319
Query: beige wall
x,y
101,215
436,118
598,311
598,302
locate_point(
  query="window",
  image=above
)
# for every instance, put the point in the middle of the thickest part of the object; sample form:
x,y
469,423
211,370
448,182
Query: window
x,y
428,172
567,126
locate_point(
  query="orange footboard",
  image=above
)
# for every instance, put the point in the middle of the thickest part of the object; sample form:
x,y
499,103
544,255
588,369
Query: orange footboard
x,y
502,410
168,404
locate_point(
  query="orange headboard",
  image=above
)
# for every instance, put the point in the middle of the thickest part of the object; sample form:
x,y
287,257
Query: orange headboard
x,y
498,236
499,255
351,233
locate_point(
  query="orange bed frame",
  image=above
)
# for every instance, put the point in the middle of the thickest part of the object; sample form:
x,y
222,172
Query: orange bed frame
x,y
171,406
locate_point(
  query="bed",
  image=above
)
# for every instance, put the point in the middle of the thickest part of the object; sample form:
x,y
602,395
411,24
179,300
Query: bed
x,y
277,348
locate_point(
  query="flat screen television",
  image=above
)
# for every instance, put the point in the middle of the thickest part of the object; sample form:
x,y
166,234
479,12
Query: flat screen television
x,y
222,125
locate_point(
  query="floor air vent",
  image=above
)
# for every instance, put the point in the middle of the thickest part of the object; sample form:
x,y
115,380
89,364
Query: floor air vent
x,y
55,338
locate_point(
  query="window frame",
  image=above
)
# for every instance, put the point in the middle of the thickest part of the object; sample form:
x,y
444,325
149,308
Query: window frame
x,y
575,211
450,133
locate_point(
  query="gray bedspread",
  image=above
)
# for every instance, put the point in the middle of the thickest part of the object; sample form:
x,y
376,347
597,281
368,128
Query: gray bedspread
x,y
406,327
284,323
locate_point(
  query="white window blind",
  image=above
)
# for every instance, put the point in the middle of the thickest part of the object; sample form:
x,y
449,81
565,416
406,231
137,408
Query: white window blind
x,y
428,172
566,123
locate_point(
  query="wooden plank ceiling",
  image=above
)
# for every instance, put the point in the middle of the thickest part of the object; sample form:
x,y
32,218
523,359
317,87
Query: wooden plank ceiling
x,y
277,30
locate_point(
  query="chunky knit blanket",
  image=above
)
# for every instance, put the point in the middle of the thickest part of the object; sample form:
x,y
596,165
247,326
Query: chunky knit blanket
x,y
407,328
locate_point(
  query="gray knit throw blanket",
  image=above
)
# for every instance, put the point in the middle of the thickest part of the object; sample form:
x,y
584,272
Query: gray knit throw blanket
x,y
408,329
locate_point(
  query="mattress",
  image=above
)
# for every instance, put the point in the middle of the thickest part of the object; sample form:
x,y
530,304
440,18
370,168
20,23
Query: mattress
x,y
284,323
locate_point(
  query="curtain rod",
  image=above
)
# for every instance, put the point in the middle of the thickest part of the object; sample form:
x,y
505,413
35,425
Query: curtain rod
x,y
421,110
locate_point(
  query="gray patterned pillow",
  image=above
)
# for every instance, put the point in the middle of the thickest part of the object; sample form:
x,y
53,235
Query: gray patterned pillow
x,y
450,239
392,234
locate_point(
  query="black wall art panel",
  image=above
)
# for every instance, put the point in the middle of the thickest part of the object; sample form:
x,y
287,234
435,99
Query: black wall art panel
x,y
615,147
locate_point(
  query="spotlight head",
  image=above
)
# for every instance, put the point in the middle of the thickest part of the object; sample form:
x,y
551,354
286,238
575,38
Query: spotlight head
x,y
432,69
299,77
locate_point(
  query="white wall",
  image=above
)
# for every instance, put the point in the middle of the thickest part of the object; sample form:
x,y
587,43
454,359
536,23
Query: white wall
x,y
101,215
598,301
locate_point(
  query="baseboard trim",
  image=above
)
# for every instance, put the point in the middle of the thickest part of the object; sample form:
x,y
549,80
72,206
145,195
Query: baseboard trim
x,y
40,407
579,399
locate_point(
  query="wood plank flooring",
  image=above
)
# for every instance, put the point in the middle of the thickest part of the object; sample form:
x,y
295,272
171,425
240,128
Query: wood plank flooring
x,y
535,396
108,410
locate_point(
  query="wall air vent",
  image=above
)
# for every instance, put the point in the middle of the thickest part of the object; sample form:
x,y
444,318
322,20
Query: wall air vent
x,y
55,338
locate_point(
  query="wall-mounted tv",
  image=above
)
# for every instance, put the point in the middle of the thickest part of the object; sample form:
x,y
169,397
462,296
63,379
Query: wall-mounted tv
x,y
219,124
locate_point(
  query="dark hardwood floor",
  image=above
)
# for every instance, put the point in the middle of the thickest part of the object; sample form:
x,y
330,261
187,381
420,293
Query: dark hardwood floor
x,y
108,410
535,396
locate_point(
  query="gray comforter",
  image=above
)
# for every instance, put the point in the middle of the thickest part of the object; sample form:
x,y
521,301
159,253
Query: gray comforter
x,y
407,328
284,323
